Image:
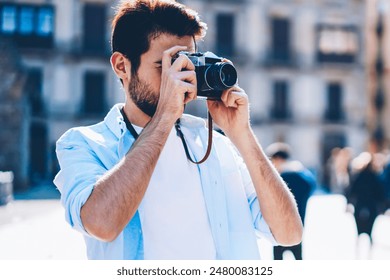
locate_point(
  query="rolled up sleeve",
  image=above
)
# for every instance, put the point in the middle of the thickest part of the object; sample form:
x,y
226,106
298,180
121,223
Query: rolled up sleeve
x,y
79,170
259,222
261,226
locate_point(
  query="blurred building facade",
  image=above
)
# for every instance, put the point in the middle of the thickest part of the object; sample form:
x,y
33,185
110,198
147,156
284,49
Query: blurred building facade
x,y
304,66
13,114
378,73
301,63
65,54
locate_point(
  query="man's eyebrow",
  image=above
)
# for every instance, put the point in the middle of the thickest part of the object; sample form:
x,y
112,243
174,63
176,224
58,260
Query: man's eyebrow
x,y
160,60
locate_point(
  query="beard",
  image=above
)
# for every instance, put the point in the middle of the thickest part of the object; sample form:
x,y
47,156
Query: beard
x,y
143,96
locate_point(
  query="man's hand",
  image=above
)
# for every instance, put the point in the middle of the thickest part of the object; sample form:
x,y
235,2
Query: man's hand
x,y
231,114
277,204
178,83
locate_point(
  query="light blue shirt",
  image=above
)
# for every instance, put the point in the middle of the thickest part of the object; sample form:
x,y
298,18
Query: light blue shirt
x,y
87,153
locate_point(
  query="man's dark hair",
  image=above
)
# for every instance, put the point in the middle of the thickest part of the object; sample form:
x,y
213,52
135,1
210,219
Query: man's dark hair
x,y
137,22
278,150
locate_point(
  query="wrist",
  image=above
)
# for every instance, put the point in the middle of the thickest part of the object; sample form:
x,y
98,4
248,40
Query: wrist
x,y
247,144
237,135
164,117
244,140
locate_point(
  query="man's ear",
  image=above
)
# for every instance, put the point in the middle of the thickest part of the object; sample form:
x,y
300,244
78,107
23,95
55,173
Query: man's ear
x,y
121,65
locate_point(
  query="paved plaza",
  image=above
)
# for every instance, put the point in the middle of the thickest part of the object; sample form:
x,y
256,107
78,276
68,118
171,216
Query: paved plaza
x,y
35,229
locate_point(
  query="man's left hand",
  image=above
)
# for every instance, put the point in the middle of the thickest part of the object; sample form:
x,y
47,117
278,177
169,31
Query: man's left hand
x,y
231,114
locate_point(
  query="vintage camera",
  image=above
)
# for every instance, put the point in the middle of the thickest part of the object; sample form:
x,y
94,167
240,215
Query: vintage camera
x,y
213,75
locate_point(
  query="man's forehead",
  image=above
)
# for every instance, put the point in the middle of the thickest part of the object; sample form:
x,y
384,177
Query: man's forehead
x,y
166,41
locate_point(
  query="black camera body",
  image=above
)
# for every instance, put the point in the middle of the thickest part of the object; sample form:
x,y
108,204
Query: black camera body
x,y
213,75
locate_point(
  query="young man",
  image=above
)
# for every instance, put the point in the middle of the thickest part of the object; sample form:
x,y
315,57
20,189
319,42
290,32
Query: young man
x,y
139,197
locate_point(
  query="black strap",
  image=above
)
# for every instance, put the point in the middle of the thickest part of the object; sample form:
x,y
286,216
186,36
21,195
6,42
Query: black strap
x,y
129,125
209,144
180,134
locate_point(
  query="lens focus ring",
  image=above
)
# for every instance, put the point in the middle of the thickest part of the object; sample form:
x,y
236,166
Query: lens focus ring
x,y
221,76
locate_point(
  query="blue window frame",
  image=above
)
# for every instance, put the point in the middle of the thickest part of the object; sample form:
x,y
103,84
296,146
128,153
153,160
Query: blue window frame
x,y
8,23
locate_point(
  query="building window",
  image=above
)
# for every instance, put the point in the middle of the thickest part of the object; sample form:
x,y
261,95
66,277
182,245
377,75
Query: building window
x,y
33,89
225,34
8,19
337,44
334,111
94,89
30,26
94,26
280,110
45,22
280,51
26,25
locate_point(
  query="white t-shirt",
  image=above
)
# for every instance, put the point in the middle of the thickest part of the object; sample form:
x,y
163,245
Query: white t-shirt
x,y
173,211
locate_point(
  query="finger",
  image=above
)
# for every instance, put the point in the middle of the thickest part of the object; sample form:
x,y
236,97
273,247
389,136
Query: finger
x,y
231,101
183,62
226,60
233,97
237,98
190,92
187,76
236,87
224,96
166,61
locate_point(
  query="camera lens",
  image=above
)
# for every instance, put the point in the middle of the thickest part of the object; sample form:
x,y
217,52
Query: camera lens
x,y
221,76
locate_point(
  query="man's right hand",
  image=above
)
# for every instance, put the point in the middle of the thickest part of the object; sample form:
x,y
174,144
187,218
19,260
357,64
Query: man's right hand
x,y
178,84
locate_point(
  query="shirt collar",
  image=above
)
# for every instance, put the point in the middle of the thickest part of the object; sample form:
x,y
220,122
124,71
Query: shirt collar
x,y
114,120
192,121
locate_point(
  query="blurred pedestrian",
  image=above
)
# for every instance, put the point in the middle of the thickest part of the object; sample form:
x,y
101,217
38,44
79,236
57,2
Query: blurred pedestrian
x,y
301,183
386,181
366,192
339,170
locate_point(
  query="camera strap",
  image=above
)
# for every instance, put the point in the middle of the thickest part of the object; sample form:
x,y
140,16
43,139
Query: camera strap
x,y
129,126
180,134
209,144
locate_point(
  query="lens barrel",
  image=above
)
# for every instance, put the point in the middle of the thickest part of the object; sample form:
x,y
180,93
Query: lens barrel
x,y
221,76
